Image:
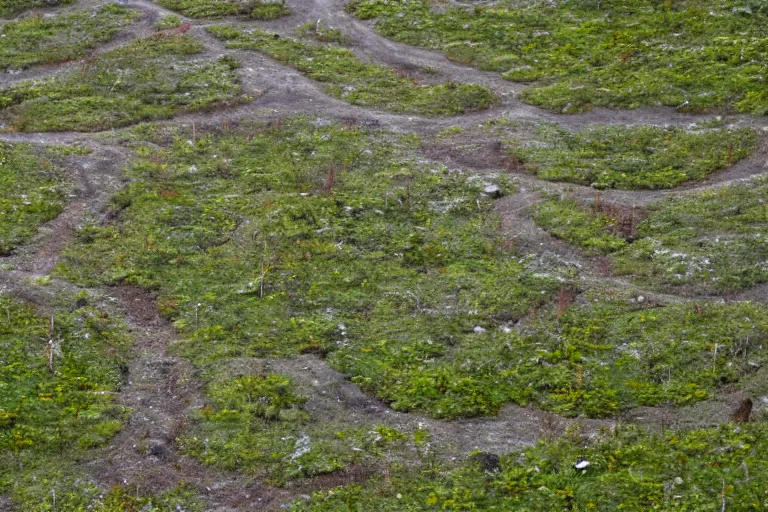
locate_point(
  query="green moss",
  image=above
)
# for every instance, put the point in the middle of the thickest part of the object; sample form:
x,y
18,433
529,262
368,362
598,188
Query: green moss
x,y
38,40
692,55
148,79
571,221
640,157
712,241
629,469
360,83
57,386
259,9
8,7
258,424
32,192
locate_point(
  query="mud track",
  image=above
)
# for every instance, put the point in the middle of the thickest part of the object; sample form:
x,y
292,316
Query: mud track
x,y
163,390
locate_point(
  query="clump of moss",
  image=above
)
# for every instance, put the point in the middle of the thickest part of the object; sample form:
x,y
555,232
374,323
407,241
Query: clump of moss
x,y
38,40
360,83
149,79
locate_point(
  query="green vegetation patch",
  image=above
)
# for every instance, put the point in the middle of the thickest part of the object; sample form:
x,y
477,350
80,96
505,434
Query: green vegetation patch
x,y
360,83
318,31
692,55
596,360
149,79
264,10
32,190
8,7
639,157
48,40
628,469
589,229
311,237
258,424
614,355
61,486
709,242
58,379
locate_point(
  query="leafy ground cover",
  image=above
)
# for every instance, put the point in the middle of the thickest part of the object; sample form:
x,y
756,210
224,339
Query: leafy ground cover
x,y
692,55
64,486
32,190
259,10
638,157
570,220
628,469
258,424
148,79
58,379
596,360
357,82
709,242
38,40
8,7
309,237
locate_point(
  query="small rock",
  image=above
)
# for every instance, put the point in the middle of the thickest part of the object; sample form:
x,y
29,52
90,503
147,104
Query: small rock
x,y
490,462
478,330
743,412
157,448
640,298
493,191
582,464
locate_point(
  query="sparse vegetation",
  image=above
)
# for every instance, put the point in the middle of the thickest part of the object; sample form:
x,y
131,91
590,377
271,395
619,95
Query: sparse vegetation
x,y
357,82
629,468
320,32
641,157
32,190
37,40
257,424
709,242
168,22
264,10
149,79
687,54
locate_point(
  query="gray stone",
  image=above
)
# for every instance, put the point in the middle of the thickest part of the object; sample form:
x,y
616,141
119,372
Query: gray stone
x,y
493,191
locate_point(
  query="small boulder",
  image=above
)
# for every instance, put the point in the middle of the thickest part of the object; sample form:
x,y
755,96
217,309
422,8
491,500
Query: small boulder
x,y
743,412
157,448
493,191
490,462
